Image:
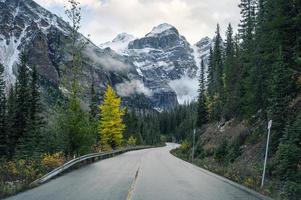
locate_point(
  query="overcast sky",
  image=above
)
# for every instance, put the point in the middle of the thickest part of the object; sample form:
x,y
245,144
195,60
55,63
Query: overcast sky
x,y
104,19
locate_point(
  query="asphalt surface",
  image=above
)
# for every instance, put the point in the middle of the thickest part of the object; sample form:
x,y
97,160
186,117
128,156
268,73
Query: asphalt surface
x,y
151,174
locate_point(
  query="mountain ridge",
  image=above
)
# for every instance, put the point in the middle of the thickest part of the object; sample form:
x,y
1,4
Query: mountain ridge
x,y
145,66
163,55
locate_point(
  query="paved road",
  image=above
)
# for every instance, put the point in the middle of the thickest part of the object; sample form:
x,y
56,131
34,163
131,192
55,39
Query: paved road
x,y
151,174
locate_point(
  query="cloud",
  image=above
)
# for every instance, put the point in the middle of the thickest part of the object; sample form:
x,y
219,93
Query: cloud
x,y
112,64
104,19
106,61
185,88
129,88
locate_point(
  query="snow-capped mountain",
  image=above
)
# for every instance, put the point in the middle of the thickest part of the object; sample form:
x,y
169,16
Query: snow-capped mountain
x,y
21,22
119,43
166,61
44,38
155,71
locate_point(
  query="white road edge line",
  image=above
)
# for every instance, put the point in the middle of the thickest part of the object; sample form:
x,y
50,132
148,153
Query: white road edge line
x,y
226,180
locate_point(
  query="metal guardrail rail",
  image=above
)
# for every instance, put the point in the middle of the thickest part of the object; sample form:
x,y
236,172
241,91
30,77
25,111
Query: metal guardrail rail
x,y
89,158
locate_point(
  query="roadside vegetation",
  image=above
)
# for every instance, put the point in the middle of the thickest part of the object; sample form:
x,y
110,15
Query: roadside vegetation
x,y
253,77
34,139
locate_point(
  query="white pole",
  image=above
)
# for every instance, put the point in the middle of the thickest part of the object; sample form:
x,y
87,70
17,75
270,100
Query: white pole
x,y
193,141
266,153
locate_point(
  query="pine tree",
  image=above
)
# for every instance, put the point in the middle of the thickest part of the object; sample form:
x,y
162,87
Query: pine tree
x,y
3,122
247,22
231,77
211,72
217,73
32,143
218,62
21,121
287,159
261,70
111,125
289,151
248,74
202,110
11,115
279,51
278,100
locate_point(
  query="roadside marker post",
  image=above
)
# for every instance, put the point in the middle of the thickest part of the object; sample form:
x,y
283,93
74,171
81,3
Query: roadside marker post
x,y
266,152
193,141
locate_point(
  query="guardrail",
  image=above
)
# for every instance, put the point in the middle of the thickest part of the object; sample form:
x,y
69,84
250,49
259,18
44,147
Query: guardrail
x,y
89,158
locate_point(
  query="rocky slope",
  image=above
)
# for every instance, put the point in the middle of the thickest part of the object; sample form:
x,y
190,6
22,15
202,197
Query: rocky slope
x,y
156,71
164,59
42,36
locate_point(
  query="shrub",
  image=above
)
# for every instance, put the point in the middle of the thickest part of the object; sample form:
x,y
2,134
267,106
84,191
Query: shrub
x,y
292,190
52,161
106,147
185,146
221,150
132,141
233,151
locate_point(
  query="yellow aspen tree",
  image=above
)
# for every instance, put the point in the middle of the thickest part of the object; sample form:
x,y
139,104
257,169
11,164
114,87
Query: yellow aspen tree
x,y
111,125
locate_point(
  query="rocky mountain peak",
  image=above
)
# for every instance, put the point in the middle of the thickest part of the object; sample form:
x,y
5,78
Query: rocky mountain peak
x,y
123,37
120,43
165,61
206,41
163,29
163,36
155,65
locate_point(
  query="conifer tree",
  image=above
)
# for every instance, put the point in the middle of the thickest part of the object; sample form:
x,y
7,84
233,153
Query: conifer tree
x,y
278,100
32,142
261,70
21,120
218,62
111,125
217,72
231,77
289,151
11,114
202,110
211,72
3,121
248,76
280,30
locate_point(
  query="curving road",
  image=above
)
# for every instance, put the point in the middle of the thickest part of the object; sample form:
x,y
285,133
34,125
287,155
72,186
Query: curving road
x,y
151,174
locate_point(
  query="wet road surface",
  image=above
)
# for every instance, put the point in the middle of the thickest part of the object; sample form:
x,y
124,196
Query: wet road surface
x,y
151,174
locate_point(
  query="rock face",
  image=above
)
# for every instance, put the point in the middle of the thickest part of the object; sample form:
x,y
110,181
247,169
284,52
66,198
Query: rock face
x,y
142,70
163,58
43,37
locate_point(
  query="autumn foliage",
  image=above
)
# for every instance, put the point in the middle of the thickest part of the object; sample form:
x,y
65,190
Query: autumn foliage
x,y
111,125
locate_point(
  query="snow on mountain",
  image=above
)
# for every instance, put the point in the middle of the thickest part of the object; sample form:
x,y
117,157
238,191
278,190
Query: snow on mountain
x,y
20,23
119,43
161,66
166,61
201,51
161,29
43,38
